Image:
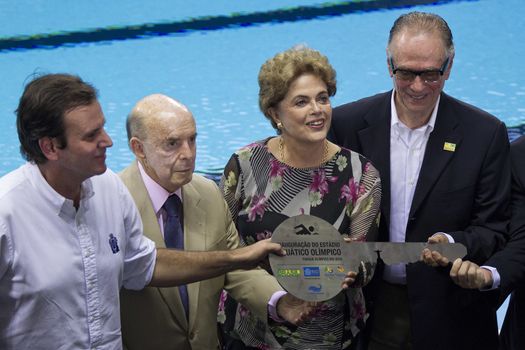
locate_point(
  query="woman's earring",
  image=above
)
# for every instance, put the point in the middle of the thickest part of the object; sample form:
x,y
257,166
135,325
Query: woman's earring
x,y
279,125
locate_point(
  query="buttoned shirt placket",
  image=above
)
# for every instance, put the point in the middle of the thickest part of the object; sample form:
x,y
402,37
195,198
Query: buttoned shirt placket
x,y
89,261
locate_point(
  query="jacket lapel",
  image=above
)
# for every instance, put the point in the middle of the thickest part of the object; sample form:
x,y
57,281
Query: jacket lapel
x,y
374,143
194,239
438,152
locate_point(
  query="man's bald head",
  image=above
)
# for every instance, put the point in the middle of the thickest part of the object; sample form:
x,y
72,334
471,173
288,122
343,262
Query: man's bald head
x,y
145,112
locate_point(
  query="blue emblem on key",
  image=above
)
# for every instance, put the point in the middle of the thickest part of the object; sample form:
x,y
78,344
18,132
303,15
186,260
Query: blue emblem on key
x,y
311,271
113,243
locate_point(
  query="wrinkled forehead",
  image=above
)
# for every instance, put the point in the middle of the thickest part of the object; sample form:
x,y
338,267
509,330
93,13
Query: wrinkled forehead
x,y
173,123
419,43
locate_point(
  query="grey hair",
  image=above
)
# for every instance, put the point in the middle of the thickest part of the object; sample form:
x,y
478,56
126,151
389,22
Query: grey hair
x,y
425,23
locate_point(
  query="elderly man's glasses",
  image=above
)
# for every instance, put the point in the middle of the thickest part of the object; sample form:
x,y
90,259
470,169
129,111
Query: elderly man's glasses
x,y
429,76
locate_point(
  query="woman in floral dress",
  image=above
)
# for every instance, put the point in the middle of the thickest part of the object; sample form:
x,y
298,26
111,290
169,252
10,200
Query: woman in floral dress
x,y
300,172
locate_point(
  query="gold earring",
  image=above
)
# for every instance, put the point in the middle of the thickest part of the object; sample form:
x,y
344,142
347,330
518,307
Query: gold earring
x,y
279,125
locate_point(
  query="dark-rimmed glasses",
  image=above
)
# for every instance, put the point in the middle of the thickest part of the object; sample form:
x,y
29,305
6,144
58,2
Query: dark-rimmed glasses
x,y
429,76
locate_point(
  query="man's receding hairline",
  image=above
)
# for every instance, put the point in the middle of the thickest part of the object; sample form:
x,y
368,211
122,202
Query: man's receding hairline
x,y
150,109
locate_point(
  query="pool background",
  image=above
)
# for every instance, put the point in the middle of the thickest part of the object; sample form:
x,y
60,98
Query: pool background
x,y
214,72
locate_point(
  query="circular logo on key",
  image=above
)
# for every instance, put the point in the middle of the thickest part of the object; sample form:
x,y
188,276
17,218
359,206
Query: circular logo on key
x,y
313,268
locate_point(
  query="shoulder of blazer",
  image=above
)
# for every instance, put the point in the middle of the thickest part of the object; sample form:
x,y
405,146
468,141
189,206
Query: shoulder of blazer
x,y
363,105
202,188
363,112
202,185
518,146
130,173
517,156
350,119
466,113
132,179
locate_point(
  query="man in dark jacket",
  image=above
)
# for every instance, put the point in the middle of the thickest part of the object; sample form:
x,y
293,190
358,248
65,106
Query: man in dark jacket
x,y
445,172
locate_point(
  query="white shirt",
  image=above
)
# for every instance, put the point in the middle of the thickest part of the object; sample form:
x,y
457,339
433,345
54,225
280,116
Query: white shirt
x,y
61,269
407,150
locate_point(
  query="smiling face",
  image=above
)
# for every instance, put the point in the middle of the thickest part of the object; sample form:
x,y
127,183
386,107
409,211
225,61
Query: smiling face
x,y
86,143
169,149
415,51
305,112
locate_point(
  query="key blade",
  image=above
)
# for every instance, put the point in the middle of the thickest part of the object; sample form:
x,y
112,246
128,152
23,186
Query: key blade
x,y
399,252
357,252
451,251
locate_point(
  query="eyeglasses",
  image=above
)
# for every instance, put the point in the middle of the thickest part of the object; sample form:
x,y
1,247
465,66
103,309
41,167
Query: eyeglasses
x,y
429,76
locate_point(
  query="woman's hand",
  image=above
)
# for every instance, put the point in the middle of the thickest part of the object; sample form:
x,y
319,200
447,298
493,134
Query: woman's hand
x,y
349,280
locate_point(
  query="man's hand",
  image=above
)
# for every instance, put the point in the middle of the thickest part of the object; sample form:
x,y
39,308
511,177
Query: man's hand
x,y
249,257
467,274
295,310
434,258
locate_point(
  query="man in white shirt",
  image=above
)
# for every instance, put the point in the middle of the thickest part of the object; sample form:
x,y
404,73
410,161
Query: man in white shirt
x,y
70,234
445,177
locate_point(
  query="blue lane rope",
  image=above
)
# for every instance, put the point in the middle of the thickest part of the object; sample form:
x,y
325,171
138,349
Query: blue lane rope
x,y
205,23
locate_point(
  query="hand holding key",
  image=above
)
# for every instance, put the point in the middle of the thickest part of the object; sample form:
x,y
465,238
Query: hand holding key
x,y
433,257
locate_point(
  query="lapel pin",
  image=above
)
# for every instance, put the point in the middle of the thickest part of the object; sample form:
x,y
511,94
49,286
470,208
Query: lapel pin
x,y
449,146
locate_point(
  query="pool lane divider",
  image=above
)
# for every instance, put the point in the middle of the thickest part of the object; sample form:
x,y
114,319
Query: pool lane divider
x,y
205,23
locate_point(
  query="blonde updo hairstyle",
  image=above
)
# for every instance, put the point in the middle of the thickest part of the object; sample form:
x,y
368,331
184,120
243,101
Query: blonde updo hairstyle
x,y
279,72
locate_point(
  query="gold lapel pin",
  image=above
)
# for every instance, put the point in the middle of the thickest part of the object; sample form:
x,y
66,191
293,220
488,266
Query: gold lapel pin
x,y
449,146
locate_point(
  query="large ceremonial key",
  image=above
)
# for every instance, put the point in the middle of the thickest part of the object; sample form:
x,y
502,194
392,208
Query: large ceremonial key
x,y
317,257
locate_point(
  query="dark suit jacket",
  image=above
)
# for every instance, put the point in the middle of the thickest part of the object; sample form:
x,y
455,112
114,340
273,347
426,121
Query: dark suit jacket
x,y
464,193
510,262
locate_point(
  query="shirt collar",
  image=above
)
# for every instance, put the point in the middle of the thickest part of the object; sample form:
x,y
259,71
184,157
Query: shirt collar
x,y
59,202
395,122
156,192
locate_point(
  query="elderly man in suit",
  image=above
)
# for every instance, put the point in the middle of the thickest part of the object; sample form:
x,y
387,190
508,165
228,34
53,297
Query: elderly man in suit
x,y
505,270
162,135
445,172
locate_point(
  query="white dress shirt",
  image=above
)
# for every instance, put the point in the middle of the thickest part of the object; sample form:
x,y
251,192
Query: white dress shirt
x,y
407,150
61,269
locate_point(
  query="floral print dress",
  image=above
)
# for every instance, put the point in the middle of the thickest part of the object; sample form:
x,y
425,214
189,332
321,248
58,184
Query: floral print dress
x,y
262,192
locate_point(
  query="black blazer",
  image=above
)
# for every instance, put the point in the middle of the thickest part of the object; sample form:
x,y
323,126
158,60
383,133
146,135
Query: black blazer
x,y
510,262
464,193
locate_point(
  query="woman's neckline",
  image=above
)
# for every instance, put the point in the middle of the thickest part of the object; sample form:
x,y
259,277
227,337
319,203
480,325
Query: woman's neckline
x,y
321,165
